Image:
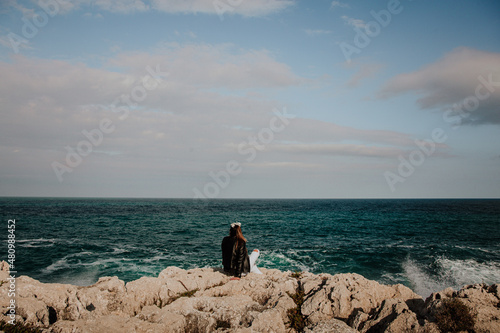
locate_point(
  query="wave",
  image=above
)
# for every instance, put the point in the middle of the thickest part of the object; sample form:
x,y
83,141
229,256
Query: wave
x,y
445,273
85,278
474,248
64,263
84,268
290,260
40,242
117,250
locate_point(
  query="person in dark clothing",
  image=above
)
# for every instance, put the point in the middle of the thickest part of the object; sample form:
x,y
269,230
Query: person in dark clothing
x,y
235,258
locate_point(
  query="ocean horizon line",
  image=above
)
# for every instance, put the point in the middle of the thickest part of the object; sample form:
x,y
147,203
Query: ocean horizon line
x,y
239,198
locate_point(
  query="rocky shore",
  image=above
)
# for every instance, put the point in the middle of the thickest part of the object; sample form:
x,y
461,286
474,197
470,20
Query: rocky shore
x,y
206,300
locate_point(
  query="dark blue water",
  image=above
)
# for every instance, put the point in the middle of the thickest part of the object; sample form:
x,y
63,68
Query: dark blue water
x,y
425,244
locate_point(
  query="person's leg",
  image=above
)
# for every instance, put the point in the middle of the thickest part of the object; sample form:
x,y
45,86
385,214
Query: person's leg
x,y
253,259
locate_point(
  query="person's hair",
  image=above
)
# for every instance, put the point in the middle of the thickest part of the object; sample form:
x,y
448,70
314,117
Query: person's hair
x,y
236,232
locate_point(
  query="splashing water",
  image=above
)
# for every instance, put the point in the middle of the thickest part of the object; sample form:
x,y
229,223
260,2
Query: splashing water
x,y
444,273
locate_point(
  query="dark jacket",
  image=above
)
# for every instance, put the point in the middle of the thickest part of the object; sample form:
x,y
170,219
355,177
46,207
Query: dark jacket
x,y
234,259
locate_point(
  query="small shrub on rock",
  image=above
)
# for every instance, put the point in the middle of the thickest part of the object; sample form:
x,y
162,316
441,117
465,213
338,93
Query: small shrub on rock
x,y
18,328
224,324
189,293
296,319
455,316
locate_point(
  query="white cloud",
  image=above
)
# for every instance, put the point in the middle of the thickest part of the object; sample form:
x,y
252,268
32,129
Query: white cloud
x,y
213,7
341,150
311,131
27,12
120,6
214,66
242,7
357,23
338,4
66,6
457,78
188,126
47,103
13,42
63,7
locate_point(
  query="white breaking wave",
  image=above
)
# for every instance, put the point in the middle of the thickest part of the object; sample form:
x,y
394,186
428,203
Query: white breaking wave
x,y
64,263
40,242
292,260
449,273
72,270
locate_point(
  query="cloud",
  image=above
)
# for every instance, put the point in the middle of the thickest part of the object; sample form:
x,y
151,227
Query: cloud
x,y
61,6
320,138
316,32
338,4
213,66
311,131
47,103
6,5
464,83
66,6
10,41
357,23
176,130
364,71
340,150
120,6
207,105
243,7
247,8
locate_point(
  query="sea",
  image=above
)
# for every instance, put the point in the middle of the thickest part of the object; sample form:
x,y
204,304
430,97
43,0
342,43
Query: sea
x,y
427,245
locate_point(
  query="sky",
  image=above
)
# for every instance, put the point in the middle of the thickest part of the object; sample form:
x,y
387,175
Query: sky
x,y
250,98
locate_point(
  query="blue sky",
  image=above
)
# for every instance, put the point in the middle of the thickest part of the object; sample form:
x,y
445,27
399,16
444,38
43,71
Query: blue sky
x,y
250,99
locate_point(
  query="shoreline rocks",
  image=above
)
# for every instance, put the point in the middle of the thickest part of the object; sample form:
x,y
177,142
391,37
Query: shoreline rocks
x,y
206,300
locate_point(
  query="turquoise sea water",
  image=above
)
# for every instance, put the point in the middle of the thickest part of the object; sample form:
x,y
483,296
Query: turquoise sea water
x,y
427,245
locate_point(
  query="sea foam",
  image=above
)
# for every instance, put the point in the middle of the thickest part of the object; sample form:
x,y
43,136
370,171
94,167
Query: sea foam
x,y
444,273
